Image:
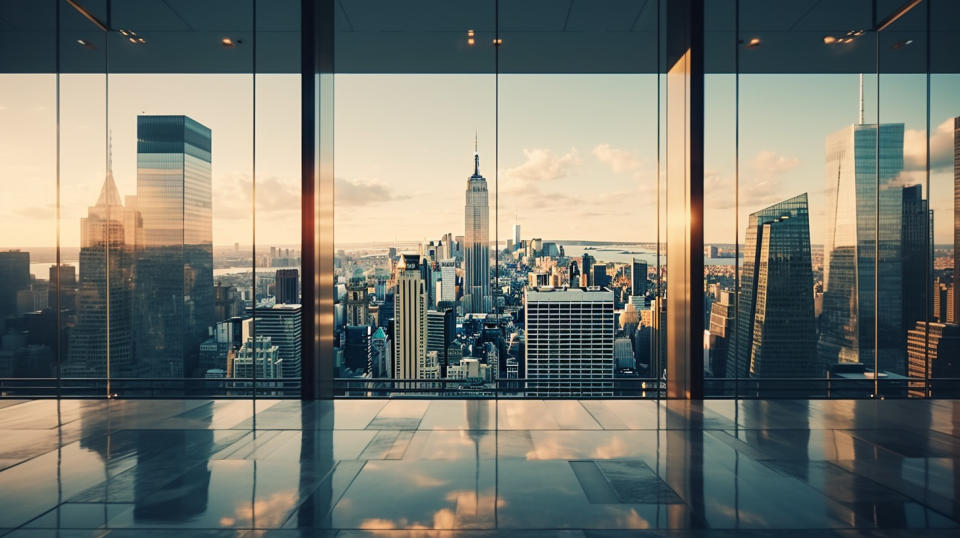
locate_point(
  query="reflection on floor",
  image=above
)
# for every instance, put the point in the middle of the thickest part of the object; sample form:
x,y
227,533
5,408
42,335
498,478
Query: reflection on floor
x,y
570,468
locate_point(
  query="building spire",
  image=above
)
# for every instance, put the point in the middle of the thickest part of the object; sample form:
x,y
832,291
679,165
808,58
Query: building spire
x,y
476,155
109,195
860,101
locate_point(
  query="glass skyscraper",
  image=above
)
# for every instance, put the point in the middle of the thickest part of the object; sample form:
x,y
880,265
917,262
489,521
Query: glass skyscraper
x,y
872,258
175,296
776,332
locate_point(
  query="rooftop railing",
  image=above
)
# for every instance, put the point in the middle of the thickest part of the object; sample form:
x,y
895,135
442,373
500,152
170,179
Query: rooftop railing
x,y
553,388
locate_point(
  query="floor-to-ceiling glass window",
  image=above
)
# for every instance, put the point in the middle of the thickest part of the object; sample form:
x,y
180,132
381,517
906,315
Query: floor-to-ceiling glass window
x,y
576,191
28,171
414,205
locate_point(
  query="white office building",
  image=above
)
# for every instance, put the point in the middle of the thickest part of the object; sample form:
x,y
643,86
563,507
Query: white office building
x,y
569,341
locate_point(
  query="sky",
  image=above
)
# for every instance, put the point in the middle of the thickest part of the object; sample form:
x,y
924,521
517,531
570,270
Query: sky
x,y
566,156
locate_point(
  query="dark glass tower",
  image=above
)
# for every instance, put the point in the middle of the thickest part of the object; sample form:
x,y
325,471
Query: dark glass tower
x,y
776,334
638,277
288,286
175,296
14,276
586,267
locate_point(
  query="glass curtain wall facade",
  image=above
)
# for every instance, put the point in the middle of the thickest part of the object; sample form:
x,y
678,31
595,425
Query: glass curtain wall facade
x,y
838,107
136,245
486,152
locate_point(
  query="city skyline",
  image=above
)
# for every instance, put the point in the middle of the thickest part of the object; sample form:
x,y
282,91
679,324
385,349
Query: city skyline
x,y
560,159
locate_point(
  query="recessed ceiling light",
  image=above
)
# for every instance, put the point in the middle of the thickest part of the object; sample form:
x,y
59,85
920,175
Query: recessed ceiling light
x,y
470,41
829,39
498,41
754,41
228,43
901,44
470,33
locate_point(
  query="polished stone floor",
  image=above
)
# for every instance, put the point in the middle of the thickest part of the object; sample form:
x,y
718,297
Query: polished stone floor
x,y
479,467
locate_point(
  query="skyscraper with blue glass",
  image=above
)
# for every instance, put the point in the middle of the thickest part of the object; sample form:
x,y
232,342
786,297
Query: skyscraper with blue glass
x,y
873,226
776,332
174,289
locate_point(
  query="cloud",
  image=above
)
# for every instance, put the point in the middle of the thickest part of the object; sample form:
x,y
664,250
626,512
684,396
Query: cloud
x,y
619,160
768,163
276,195
543,165
233,194
356,193
941,148
761,182
42,212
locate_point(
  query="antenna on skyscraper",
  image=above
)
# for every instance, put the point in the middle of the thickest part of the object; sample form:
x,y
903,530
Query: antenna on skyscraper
x,y
860,119
476,154
110,151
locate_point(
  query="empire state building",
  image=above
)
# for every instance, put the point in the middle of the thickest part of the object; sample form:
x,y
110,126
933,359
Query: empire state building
x,y
476,256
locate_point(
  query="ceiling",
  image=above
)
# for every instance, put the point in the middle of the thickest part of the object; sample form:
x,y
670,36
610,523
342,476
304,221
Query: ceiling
x,y
430,36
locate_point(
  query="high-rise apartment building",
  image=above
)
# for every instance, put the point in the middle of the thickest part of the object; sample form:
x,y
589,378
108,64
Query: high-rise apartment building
x,y
476,256
410,319
258,357
288,286
448,280
283,324
516,236
569,338
776,331
174,296
865,219
722,325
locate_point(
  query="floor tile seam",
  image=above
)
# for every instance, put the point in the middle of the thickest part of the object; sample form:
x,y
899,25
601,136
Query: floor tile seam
x,y
31,458
377,413
589,412
327,475
228,452
878,485
406,445
906,492
876,445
